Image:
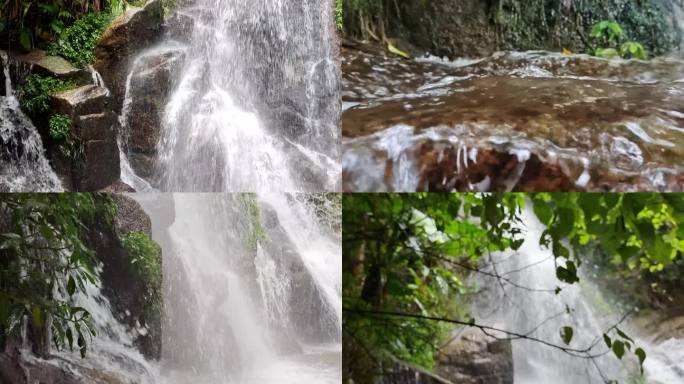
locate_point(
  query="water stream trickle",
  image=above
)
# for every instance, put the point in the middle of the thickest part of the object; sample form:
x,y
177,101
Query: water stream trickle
x,y
23,163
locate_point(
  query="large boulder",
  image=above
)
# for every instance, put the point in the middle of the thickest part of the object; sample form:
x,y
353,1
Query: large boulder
x,y
475,358
95,127
150,88
130,216
100,164
132,32
40,63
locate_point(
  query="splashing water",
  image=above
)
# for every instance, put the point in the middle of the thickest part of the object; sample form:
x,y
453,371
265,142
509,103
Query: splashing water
x,y
229,307
256,105
23,165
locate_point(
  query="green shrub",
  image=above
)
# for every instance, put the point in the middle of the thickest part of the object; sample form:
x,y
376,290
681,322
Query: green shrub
x,y
77,42
145,256
339,15
33,23
60,127
34,95
609,37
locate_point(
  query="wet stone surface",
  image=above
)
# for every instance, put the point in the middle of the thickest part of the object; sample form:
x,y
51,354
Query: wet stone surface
x,y
512,121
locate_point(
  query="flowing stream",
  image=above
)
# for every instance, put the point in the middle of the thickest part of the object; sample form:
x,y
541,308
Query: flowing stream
x,y
535,311
255,101
23,164
513,120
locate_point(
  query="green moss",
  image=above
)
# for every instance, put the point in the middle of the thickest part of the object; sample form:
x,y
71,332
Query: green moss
x,y
34,95
256,230
77,42
145,256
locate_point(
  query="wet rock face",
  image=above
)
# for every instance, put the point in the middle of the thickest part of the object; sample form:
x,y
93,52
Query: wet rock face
x,y
150,87
121,283
95,126
40,63
135,30
512,121
477,27
474,358
130,216
304,295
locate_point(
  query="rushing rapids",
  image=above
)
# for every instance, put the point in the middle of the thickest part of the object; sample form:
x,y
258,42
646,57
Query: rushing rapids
x,y
255,100
511,121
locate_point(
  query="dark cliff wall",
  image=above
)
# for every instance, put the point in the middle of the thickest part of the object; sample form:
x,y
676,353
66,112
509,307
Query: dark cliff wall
x,y
478,27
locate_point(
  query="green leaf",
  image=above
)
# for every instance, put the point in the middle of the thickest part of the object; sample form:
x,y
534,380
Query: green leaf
x,y
641,354
608,340
71,286
566,334
543,211
25,39
397,51
564,223
623,335
38,317
618,348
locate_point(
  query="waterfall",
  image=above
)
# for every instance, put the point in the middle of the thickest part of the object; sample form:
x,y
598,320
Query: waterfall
x,y
23,165
256,105
229,299
536,309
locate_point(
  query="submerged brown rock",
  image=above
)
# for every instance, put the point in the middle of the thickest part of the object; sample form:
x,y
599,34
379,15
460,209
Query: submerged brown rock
x,y
512,121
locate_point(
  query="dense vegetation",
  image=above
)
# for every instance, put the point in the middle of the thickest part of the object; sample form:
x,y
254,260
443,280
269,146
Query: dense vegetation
x,y
432,25
145,256
35,99
37,23
406,257
45,265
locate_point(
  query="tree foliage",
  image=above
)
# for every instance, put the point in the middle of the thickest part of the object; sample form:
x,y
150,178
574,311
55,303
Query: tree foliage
x,y
410,254
45,265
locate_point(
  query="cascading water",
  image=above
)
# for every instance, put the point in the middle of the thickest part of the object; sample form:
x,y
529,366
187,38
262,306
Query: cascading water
x,y
532,307
23,165
229,297
256,103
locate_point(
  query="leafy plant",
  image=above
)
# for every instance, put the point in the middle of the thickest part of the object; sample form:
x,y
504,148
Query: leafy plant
x,y
34,94
60,127
608,32
339,15
634,50
406,257
609,37
45,264
145,256
34,22
77,42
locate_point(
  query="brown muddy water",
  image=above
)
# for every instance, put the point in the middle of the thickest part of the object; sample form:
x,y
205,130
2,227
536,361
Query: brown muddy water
x,y
513,121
